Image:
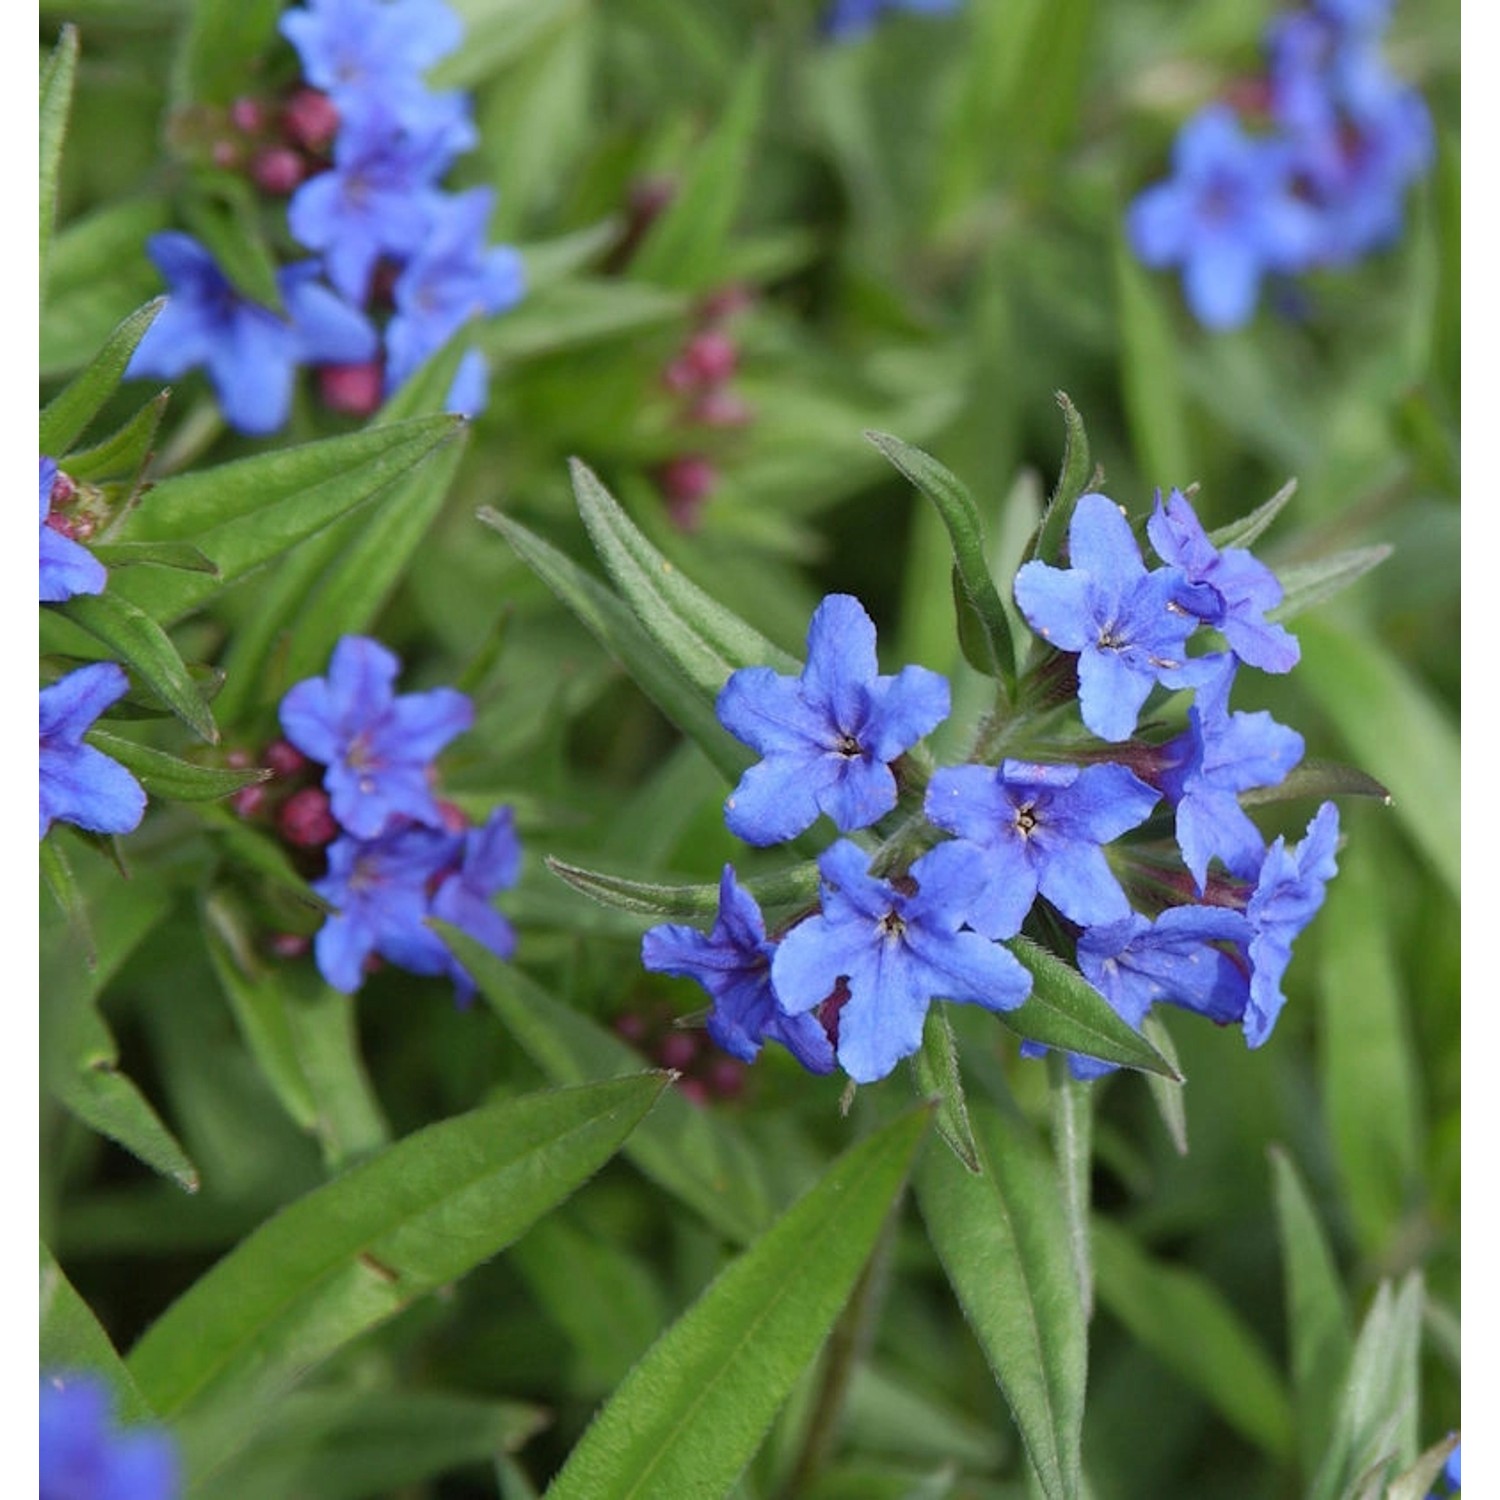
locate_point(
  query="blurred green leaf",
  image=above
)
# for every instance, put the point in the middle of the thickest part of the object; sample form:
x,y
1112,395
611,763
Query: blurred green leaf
x,y
168,777
72,1341
221,47
997,1235
495,32
966,533
797,886
1306,584
349,1256
1394,729
65,417
56,98
935,1072
576,313
223,213
1150,377
360,1445
140,644
1184,1321
1317,1313
1377,1421
1065,1011
698,1157
689,1417
1419,1481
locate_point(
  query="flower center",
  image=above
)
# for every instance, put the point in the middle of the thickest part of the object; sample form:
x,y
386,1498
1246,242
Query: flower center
x,y
891,925
1026,819
847,746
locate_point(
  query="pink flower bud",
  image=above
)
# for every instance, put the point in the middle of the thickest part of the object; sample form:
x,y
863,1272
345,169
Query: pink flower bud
x,y
721,409
310,120
630,1027
677,1049
225,155
248,115
63,492
288,944
694,1089
720,306
282,759
278,171
249,801
355,390
686,482
712,357
305,820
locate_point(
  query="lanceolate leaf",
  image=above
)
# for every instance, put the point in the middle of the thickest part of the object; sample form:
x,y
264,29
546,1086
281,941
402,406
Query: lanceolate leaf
x,y
1073,480
618,631
797,886
966,533
697,1156
1073,1151
352,1254
65,417
1167,1096
1001,1237
1065,1011
702,638
690,1416
72,1341
1318,779
165,776
1306,584
935,1072
56,98
1248,529
222,45
124,452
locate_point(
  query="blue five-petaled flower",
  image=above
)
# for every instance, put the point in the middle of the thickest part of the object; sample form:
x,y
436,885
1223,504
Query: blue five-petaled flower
x,y
828,735
82,1456
79,784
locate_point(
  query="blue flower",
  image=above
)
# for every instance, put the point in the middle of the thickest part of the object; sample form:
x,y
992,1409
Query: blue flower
x,y
896,948
1286,897
1449,1479
451,279
733,964
380,889
66,568
250,353
1030,827
379,196
490,862
80,784
1223,753
355,49
1130,627
827,736
1240,589
850,18
1228,215
84,1457
377,747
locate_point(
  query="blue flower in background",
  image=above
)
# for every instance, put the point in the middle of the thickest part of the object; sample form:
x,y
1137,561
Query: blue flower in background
x,y
451,279
896,947
1030,828
490,862
1221,754
79,784
1228,215
1240,589
380,891
251,353
1286,897
377,747
733,964
828,735
1448,1482
83,1456
845,19
356,49
65,567
1129,627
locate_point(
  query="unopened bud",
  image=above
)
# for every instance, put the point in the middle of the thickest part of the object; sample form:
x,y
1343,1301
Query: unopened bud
x,y
630,1027
278,171
355,390
225,155
720,306
63,492
721,409
677,1049
288,944
248,115
283,759
712,356
306,820
686,482
310,119
249,800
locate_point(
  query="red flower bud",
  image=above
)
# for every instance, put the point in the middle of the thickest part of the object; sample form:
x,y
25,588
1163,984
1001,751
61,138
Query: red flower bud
x,y
283,759
355,390
248,115
310,120
305,820
677,1049
711,356
278,171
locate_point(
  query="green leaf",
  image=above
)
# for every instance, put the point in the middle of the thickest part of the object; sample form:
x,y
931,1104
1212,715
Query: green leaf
x,y
1318,779
1150,375
1248,529
696,1156
359,1445
1419,1480
1317,1315
350,1255
935,1072
181,555
685,246
222,212
690,1416
1370,1074
222,47
1394,728
793,887
56,99
72,1340
1305,584
1073,1149
1221,1358
139,643
1377,1422
496,32
65,417
702,638
259,852
165,776
1073,480
997,1235
617,630
125,452
966,533
1065,1011
1166,1095
244,514
576,314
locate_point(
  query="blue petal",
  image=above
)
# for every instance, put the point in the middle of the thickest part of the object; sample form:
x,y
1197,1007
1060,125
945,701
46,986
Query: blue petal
x,y
1081,885
1055,603
903,710
1101,543
769,713
1110,695
66,568
774,801
857,793
841,664
69,707
83,786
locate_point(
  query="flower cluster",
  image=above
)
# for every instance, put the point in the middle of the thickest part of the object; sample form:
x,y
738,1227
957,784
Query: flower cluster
x,y
1030,834
355,793
77,783
360,147
1320,180
701,378
83,1457
850,18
